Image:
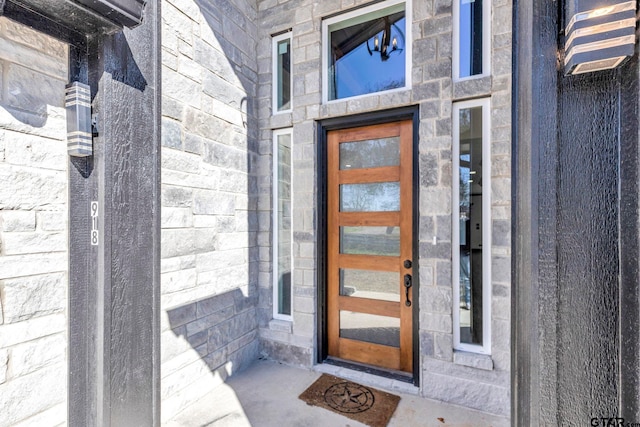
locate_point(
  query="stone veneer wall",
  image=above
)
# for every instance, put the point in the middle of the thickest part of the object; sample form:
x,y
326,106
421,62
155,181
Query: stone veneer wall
x,y
33,228
209,196
474,381
469,380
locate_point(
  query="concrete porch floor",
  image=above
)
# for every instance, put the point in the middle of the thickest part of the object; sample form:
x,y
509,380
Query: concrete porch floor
x,y
266,395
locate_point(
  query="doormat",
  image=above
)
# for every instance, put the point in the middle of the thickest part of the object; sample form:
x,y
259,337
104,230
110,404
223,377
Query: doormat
x,y
363,404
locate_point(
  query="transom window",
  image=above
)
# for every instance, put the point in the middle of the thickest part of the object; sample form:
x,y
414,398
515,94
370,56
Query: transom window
x,y
366,51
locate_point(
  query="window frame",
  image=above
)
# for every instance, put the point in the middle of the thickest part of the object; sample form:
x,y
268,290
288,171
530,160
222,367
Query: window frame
x,y
275,216
275,71
485,348
359,13
486,42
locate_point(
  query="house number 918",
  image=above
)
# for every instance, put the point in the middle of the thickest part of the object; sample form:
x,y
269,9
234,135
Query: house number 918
x,y
94,223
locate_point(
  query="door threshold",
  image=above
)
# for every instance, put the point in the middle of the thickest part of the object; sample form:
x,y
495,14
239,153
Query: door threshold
x,y
403,377
396,383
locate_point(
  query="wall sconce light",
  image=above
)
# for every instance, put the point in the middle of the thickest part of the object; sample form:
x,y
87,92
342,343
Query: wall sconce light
x,y
78,107
600,34
383,47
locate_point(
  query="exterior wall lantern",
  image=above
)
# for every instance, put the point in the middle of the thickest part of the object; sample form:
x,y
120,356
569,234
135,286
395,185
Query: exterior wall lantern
x,y
599,35
78,108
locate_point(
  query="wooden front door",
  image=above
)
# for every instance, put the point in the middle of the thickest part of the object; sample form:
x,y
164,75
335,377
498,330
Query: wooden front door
x,y
370,232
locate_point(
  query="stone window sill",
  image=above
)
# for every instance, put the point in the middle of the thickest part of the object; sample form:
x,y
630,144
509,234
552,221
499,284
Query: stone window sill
x,y
281,119
472,87
473,360
281,325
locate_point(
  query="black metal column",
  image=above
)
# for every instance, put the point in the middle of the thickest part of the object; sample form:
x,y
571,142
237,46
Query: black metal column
x,y
575,313
629,223
115,284
82,350
533,174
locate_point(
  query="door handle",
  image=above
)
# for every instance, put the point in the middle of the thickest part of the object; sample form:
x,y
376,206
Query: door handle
x,y
407,286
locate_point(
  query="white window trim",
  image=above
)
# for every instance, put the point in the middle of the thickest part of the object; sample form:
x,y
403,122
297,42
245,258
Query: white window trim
x,y
485,103
355,14
487,35
274,71
274,233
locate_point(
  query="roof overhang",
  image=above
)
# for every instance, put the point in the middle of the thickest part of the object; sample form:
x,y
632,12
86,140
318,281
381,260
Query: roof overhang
x,y
83,16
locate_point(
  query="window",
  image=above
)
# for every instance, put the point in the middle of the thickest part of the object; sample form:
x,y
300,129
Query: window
x,y
282,230
366,51
471,38
282,73
472,226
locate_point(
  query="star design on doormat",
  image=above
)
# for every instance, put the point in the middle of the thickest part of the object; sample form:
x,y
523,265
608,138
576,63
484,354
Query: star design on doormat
x,y
349,397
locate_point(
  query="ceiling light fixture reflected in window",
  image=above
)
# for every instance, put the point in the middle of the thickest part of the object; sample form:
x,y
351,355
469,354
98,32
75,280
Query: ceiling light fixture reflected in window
x,y
387,39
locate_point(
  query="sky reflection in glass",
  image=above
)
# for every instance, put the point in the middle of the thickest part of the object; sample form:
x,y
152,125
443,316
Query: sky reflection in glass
x,y
470,28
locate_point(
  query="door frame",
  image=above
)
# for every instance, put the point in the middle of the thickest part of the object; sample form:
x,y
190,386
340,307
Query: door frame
x,y
323,127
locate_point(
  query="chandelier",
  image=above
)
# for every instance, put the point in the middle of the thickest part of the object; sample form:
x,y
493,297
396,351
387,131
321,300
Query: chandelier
x,y
387,44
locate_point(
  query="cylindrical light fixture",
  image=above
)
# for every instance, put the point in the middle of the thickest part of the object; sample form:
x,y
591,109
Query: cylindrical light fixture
x,y
78,108
599,34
